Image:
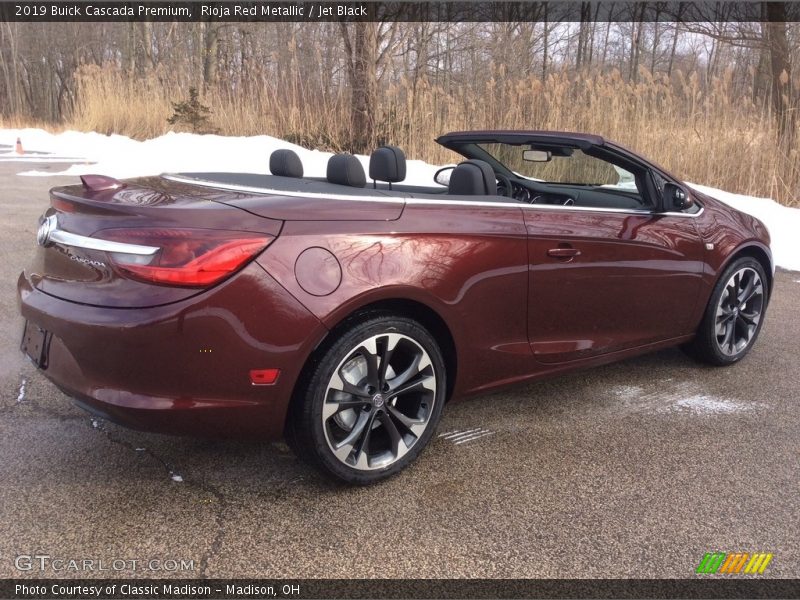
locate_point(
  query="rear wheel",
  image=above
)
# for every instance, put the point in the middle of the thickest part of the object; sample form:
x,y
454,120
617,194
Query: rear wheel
x,y
734,315
371,402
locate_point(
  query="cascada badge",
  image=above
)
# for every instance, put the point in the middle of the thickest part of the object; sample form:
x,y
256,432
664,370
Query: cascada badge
x,y
734,563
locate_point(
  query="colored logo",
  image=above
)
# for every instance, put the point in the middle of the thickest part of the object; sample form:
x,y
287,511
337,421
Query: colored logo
x,y
738,562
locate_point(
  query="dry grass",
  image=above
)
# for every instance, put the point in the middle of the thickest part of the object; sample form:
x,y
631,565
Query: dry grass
x,y
111,102
698,132
23,122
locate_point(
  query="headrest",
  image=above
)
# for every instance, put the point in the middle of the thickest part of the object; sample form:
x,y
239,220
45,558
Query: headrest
x,y
387,163
473,178
285,163
346,169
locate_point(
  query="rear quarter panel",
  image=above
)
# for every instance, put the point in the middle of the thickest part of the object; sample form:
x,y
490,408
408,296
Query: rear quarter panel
x,y
467,263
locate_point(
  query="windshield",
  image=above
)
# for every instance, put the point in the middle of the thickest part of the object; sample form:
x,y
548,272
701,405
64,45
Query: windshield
x,y
559,165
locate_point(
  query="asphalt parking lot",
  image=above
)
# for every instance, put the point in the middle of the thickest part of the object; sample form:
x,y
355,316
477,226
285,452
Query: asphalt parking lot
x,y
631,470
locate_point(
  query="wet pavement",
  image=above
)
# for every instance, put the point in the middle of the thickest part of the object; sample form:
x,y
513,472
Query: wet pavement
x,y
630,470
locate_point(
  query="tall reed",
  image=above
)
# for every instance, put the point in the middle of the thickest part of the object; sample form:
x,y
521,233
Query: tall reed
x,y
699,132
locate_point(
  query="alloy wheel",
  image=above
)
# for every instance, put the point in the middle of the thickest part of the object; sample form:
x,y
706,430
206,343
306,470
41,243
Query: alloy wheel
x,y
739,311
379,401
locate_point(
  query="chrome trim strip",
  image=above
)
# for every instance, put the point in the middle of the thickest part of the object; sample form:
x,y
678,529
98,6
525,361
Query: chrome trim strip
x,y
690,215
65,238
429,202
626,211
234,187
416,201
573,208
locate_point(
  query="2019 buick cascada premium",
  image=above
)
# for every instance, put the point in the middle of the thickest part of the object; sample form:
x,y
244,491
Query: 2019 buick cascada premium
x,y
345,314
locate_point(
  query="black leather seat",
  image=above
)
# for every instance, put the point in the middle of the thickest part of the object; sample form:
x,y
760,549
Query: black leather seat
x,y
346,169
285,163
387,163
473,178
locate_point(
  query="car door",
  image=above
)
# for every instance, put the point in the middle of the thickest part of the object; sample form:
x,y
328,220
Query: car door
x,y
603,280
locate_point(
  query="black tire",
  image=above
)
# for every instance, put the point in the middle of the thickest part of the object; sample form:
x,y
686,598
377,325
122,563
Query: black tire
x,y
313,438
715,348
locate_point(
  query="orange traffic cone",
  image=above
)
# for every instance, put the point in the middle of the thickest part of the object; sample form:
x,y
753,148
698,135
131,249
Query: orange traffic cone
x,y
18,149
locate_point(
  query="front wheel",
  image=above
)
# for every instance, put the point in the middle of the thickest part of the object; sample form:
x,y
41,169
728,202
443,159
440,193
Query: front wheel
x,y
734,315
371,401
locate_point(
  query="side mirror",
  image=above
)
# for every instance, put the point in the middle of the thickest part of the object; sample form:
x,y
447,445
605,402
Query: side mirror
x,y
537,155
675,198
442,176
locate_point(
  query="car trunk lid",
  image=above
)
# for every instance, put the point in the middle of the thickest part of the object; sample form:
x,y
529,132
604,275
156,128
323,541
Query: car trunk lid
x,y
81,262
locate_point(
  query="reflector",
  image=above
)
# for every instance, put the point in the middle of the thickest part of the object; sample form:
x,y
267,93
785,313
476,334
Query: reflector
x,y
264,376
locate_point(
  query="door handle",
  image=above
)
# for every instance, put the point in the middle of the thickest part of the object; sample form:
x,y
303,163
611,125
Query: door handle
x,y
563,252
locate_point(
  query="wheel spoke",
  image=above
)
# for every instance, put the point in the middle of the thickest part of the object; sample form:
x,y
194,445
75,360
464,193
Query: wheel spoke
x,y
418,382
415,426
745,291
733,289
724,317
757,290
331,407
388,344
369,351
345,447
740,333
419,364
749,317
727,341
362,446
338,382
732,295
399,447
411,370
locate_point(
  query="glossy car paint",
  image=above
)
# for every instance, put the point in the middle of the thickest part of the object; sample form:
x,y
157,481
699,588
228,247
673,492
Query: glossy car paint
x,y
629,268
183,367
478,274
456,270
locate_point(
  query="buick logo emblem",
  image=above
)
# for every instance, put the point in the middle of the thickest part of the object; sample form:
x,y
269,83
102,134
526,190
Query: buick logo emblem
x,y
377,400
45,229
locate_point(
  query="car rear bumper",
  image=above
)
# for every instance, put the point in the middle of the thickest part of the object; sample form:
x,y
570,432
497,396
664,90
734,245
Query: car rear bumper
x,y
183,368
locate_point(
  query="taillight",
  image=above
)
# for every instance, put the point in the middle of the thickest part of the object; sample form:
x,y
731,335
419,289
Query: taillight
x,y
62,205
185,257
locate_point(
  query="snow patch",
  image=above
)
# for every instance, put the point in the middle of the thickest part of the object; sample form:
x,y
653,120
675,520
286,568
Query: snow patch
x,y
39,158
782,222
710,405
120,156
666,397
21,394
627,392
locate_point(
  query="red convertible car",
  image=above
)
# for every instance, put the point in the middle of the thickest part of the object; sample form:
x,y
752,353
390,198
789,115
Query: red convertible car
x,y
344,312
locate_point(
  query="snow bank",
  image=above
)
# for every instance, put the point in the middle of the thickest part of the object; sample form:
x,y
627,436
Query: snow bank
x,y
782,221
119,156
